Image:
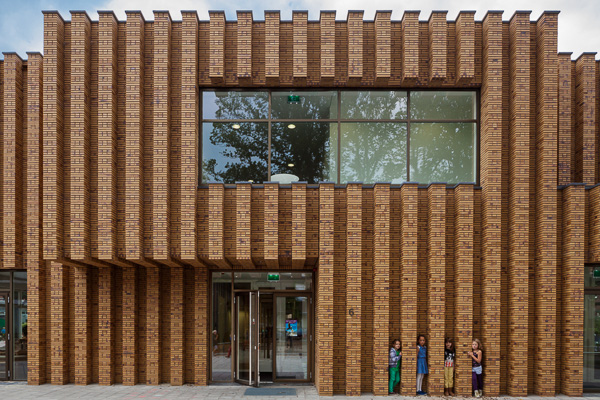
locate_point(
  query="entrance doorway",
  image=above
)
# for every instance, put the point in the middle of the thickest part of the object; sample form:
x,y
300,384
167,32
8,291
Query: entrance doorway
x,y
271,327
13,325
591,329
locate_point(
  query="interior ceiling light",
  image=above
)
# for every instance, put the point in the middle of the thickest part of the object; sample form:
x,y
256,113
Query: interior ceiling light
x,y
290,165
291,126
235,126
251,181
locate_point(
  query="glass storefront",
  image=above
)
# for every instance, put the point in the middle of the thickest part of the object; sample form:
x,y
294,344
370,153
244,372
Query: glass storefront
x,y
591,329
339,136
271,338
13,325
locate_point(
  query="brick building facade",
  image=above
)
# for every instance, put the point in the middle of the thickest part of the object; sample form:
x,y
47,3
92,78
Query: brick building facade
x,y
102,202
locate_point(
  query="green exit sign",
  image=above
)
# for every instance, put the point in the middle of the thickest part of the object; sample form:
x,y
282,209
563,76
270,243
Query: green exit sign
x,y
293,99
272,277
597,273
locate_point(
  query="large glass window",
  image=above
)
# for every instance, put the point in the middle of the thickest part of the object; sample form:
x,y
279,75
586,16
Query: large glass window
x,y
340,136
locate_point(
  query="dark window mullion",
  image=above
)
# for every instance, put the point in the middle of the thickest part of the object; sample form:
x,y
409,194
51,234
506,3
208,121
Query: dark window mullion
x,y
408,136
339,135
269,141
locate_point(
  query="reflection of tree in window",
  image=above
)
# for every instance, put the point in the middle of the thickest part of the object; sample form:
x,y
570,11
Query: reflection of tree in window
x,y
236,105
442,152
374,105
442,105
302,151
373,152
312,105
241,154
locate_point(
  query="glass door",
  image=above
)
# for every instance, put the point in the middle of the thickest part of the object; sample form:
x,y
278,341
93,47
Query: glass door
x,y
293,337
265,344
4,337
591,329
246,338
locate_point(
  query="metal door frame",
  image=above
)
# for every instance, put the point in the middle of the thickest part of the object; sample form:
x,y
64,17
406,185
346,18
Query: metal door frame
x,y
254,304
8,341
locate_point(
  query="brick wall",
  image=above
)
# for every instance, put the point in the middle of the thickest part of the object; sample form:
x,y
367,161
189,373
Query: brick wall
x,y
101,201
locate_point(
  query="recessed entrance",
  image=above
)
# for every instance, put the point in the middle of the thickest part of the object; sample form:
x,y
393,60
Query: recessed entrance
x,y
270,328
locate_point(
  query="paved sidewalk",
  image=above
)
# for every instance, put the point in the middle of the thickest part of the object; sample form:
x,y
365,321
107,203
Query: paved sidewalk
x,y
21,391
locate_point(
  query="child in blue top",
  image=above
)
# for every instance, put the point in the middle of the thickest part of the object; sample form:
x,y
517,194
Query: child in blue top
x,y
421,363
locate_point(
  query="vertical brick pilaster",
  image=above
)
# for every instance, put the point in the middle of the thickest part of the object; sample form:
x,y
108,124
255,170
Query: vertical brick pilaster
x,y
271,222
572,287
244,44
381,289
327,27
189,135
355,44
177,328
491,151
463,305
107,135
593,229
106,330
153,331
585,119
134,137
216,193
465,46
272,44
353,288
408,290
325,331
300,44
36,273
243,202
383,44
298,224
518,218
83,327
80,137
217,45
59,324
565,145
410,45
161,137
53,92
436,276
546,205
129,325
12,159
201,351
438,32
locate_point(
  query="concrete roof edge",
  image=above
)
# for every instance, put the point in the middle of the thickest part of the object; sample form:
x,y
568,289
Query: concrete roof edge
x,y
11,53
53,12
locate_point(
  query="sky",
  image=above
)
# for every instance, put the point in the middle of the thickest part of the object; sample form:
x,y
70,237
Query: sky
x,y
21,21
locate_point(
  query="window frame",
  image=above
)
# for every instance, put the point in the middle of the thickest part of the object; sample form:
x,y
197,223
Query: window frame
x,y
339,120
